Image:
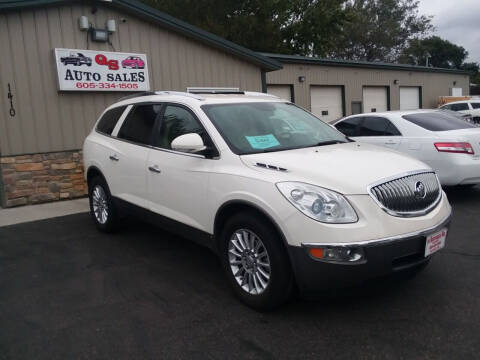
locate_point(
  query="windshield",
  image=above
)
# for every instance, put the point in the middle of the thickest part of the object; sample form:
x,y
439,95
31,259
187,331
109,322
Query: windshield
x,y
250,128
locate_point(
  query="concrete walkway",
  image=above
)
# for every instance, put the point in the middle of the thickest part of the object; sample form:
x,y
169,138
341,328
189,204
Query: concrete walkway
x,y
42,211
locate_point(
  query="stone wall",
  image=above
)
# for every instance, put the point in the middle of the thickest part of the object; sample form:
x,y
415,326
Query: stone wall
x,y
37,178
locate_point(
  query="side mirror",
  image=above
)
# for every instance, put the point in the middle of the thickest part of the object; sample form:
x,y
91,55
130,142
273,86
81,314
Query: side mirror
x,y
190,143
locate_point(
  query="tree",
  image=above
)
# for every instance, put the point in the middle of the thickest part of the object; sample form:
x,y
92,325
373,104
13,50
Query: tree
x,y
474,69
379,30
441,53
305,27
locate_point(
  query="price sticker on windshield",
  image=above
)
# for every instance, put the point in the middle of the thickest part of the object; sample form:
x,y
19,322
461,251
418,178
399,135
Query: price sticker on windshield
x,y
262,141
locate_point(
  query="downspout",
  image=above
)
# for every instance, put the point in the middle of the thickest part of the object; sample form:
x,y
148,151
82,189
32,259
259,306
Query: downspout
x,y
264,81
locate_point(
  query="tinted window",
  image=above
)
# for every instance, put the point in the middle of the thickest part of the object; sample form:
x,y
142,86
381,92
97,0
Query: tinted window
x,y
138,126
437,121
447,107
177,121
109,120
459,107
475,105
349,127
377,126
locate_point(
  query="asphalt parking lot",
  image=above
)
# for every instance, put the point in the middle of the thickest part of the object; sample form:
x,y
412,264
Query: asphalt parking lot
x,y
69,292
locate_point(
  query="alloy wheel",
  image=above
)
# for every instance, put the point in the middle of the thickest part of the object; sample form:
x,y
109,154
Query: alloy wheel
x,y
249,261
100,204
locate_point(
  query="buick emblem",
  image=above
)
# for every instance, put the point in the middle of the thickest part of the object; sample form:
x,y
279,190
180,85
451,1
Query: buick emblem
x,y
419,190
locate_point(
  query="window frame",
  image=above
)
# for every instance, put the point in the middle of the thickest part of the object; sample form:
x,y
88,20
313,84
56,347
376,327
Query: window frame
x,y
120,120
157,127
130,110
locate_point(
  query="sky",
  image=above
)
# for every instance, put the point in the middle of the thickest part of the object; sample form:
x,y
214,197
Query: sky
x,y
457,21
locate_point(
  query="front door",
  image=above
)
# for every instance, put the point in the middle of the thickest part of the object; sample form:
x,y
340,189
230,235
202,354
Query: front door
x,y
178,181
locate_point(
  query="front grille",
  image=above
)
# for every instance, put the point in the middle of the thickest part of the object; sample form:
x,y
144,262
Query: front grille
x,y
410,195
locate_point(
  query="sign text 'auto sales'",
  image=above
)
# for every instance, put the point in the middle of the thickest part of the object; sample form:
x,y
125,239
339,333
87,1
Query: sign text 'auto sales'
x,y
88,70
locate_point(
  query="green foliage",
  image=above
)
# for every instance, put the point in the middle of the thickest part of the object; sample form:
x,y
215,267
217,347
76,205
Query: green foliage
x,y
370,30
302,27
443,53
379,30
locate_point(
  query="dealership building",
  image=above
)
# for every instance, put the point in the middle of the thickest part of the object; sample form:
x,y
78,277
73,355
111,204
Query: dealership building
x,y
64,61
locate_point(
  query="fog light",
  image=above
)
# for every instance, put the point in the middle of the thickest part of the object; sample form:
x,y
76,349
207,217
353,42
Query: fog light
x,y
338,254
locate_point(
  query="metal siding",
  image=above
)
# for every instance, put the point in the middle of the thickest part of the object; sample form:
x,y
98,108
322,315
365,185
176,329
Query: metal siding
x,y
48,120
354,79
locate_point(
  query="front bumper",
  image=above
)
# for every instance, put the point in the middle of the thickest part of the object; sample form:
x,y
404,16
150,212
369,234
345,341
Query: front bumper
x,y
383,257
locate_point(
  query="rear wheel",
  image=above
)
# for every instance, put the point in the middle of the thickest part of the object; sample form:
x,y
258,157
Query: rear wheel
x,y
102,208
255,262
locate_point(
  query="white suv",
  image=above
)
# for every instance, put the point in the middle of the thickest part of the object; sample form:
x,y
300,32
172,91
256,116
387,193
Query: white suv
x,y
286,201
466,107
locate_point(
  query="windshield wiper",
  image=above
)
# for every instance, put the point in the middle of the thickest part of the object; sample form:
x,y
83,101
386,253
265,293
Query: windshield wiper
x,y
329,142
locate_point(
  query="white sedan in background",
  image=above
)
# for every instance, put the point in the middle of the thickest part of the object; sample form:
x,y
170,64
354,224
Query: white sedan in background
x,y
447,144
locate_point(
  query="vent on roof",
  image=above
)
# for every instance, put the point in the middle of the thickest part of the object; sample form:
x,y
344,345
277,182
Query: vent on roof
x,y
271,167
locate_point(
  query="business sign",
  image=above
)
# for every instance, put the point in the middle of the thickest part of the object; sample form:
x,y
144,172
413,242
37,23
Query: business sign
x,y
87,70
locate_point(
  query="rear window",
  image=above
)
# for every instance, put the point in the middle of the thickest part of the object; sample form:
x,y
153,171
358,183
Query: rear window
x,y
109,120
138,126
475,105
437,121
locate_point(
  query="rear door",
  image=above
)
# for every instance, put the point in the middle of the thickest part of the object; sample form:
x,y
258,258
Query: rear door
x,y
461,107
129,158
178,181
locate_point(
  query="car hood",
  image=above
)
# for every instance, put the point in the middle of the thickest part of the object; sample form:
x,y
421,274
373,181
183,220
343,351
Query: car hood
x,y
345,168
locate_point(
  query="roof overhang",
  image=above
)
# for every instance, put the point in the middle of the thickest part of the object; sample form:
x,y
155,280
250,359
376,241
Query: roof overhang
x,y
295,59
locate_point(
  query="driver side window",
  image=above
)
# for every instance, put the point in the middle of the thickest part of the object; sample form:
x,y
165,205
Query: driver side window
x,y
178,121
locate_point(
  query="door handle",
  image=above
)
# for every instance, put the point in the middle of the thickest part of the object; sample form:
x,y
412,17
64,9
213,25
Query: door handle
x,y
154,169
114,157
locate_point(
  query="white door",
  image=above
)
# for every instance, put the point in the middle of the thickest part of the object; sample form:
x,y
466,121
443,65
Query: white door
x,y
129,153
327,102
409,97
375,99
379,131
282,91
178,182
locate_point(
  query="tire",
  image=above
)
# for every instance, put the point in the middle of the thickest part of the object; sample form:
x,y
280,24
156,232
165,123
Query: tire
x,y
101,199
259,291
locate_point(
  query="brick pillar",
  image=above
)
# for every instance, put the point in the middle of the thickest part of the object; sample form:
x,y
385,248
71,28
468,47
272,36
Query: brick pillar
x,y
37,178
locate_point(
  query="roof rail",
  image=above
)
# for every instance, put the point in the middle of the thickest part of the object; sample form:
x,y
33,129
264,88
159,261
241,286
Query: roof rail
x,y
256,93
180,93
146,93
213,90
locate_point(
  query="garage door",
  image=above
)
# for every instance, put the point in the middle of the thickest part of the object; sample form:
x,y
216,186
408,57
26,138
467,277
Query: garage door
x,y
327,102
282,91
409,98
375,99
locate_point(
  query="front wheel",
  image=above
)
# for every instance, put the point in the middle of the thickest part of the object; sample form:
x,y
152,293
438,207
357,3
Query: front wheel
x,y
255,262
102,208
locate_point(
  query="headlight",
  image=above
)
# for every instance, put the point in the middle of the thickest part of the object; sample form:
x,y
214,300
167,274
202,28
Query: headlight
x,y
318,203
